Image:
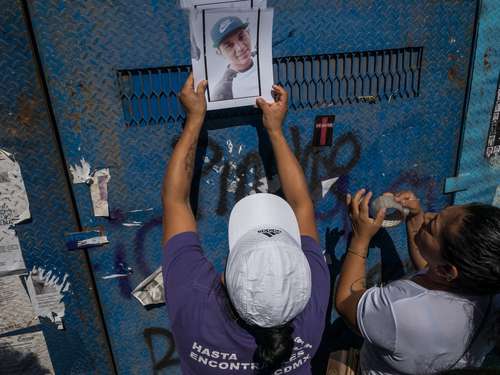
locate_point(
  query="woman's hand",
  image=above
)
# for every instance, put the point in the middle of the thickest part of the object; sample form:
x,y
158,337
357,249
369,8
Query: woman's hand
x,y
194,102
273,114
363,226
415,218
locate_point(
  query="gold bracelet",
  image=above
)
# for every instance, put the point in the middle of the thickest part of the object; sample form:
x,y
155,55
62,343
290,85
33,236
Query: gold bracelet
x,y
356,253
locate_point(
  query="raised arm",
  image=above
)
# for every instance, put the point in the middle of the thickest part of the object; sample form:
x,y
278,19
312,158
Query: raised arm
x,y
351,283
293,181
414,222
177,214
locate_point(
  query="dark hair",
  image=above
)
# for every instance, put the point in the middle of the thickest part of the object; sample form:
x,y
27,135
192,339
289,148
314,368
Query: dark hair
x,y
474,248
274,346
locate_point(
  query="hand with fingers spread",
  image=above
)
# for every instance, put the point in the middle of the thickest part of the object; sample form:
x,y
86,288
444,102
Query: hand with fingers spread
x,y
194,102
364,227
273,114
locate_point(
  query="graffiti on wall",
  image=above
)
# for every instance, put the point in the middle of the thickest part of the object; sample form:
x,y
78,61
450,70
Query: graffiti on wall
x,y
160,340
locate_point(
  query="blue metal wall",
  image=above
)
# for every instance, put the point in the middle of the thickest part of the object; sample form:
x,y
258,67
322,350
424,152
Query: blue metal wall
x,y
389,145
477,179
26,132
476,176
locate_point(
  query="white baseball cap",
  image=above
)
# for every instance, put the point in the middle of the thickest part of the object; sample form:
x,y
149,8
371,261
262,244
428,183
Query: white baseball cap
x,y
267,274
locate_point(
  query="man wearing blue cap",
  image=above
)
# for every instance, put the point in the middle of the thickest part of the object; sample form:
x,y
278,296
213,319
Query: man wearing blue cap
x,y
232,40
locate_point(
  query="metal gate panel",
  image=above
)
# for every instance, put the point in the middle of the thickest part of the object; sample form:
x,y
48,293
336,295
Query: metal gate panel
x,y
27,132
401,143
478,177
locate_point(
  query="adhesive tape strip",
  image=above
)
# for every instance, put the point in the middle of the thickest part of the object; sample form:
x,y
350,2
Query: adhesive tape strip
x,y
393,218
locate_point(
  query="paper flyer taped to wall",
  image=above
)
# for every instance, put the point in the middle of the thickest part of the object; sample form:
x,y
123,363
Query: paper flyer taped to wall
x,y
15,307
151,290
14,205
46,291
85,239
326,185
11,257
99,192
80,173
25,354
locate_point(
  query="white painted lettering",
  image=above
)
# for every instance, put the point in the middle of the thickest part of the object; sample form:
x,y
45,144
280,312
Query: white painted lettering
x,y
212,364
215,354
193,355
287,369
233,357
206,351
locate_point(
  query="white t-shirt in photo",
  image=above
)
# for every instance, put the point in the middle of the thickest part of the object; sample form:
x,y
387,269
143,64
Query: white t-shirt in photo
x,y
246,83
409,329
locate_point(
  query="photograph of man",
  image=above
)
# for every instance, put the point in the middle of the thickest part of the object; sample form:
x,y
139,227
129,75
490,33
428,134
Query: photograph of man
x,y
238,76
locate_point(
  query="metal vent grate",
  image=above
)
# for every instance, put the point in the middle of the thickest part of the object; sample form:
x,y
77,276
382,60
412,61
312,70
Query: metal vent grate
x,y
148,96
347,78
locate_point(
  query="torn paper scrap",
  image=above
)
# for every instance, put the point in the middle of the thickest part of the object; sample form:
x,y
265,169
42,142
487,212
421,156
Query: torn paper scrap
x,y
11,257
94,241
46,293
25,354
99,192
85,239
218,169
151,291
114,276
14,205
80,173
133,224
15,307
142,210
326,185
496,198
269,186
229,145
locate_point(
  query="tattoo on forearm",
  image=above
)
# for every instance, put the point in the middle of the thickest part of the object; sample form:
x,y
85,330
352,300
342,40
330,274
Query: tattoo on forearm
x,y
189,165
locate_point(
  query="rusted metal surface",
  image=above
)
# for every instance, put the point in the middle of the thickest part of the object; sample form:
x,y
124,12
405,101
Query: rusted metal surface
x,y
27,132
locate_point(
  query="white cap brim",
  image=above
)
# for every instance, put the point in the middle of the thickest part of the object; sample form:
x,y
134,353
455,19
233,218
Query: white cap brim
x,y
261,210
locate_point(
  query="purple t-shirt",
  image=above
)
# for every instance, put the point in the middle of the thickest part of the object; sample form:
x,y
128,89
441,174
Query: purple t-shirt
x,y
207,337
